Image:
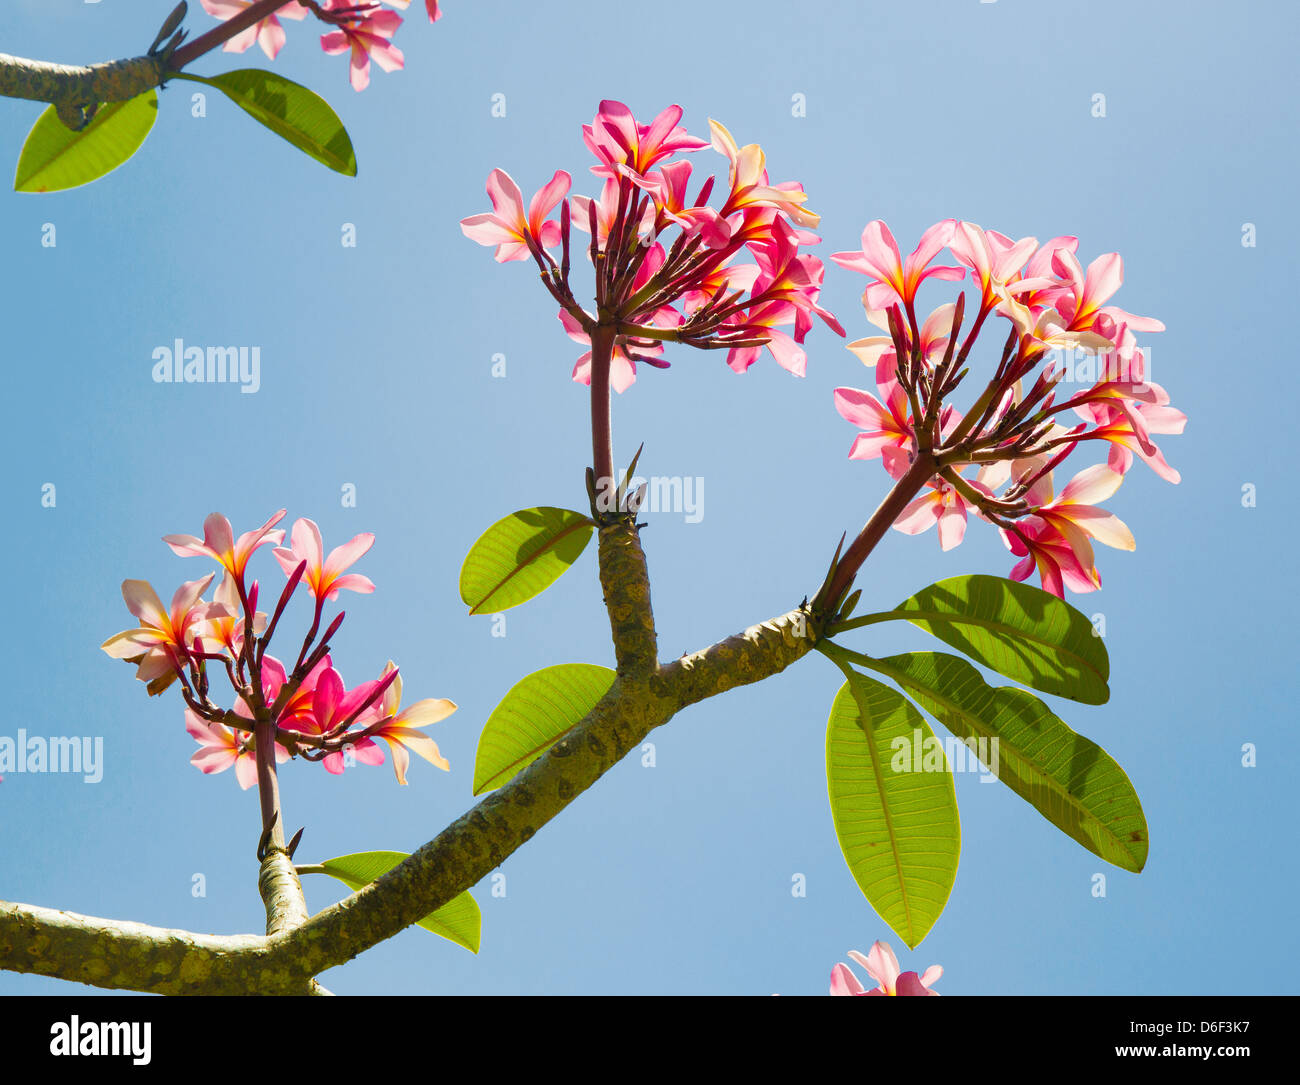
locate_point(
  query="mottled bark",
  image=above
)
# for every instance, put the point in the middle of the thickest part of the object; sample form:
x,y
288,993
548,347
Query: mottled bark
x,y
108,953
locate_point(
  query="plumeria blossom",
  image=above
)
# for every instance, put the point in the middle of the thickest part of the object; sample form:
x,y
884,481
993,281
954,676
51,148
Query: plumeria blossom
x,y
399,725
1022,425
165,636
301,707
748,180
652,287
1055,537
226,630
324,576
331,707
627,352
507,226
882,966
621,144
268,33
943,505
222,747
219,542
897,280
367,35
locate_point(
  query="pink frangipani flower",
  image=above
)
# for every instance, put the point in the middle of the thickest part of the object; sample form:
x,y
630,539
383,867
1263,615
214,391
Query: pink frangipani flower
x,y
507,227
400,731
367,34
882,966
219,543
895,280
223,747
324,576
268,33
618,141
165,636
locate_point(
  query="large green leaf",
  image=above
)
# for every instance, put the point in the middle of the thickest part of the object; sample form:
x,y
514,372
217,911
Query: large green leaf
x,y
533,716
521,556
459,920
897,824
1020,631
54,157
1070,780
291,111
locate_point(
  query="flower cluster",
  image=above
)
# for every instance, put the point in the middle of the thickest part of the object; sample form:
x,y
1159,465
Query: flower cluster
x,y
306,710
882,966
668,266
362,29
998,458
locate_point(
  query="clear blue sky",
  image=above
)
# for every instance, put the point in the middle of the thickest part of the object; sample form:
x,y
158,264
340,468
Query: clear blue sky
x,y
376,371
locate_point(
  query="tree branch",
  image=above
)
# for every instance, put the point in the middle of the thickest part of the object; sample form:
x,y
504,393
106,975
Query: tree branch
x,y
108,953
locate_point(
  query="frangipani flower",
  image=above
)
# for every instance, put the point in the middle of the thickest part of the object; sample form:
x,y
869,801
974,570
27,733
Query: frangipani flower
x,y
367,34
223,747
895,280
296,713
507,227
331,706
882,966
622,366
1074,512
219,543
749,187
992,257
944,505
165,636
324,576
400,732
268,33
619,142
1059,566
227,630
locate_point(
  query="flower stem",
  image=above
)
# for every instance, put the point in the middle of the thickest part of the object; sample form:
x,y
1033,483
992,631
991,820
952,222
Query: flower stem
x,y
602,440
906,488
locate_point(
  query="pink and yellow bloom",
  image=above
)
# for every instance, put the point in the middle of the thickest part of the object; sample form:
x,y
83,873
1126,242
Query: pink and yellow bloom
x,y
268,33
222,747
219,543
897,280
400,732
507,226
882,966
165,636
367,35
621,144
324,576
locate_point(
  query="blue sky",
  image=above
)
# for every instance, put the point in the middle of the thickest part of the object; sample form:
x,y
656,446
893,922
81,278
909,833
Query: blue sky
x,y
376,371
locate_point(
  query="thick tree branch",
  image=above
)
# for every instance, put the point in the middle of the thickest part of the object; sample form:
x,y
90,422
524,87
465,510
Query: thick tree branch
x,y
107,953
77,91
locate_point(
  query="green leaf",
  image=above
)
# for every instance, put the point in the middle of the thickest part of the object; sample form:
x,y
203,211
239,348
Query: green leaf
x,y
898,828
533,716
55,158
521,556
459,920
1020,631
1070,780
291,111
